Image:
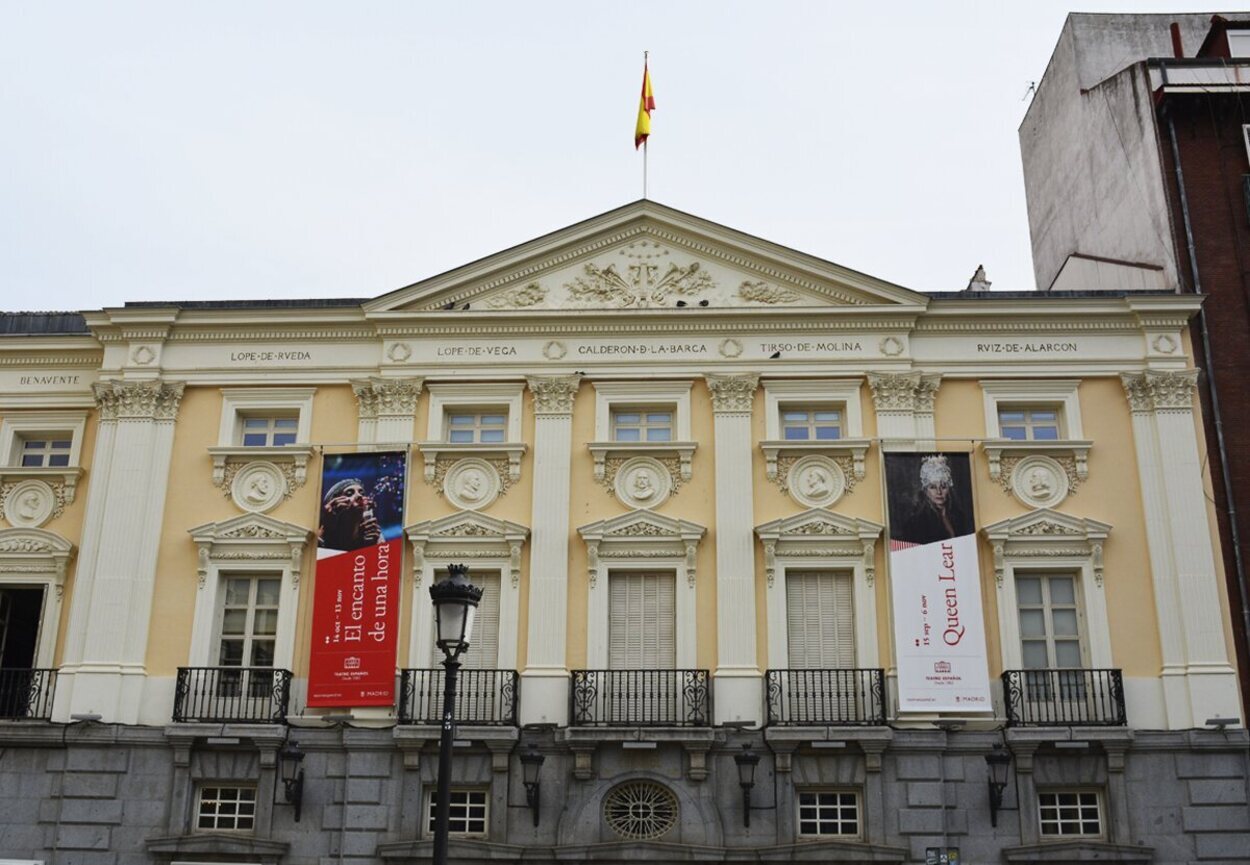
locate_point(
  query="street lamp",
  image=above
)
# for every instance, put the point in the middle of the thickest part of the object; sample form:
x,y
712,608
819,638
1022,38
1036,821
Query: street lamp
x,y
531,762
747,760
289,760
997,760
455,605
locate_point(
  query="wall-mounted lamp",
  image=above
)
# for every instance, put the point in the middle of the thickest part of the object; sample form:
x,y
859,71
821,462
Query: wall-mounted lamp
x,y
998,761
289,760
747,760
531,763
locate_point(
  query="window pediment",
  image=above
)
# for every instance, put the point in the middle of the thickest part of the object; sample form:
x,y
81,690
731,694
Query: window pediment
x,y
249,538
467,535
1045,533
820,533
36,551
642,535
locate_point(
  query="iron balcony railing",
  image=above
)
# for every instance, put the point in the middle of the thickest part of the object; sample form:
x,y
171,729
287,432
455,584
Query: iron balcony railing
x,y
26,693
1062,698
640,698
258,695
842,697
487,697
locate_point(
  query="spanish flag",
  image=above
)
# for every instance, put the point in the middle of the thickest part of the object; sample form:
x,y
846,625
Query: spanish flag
x,y
645,106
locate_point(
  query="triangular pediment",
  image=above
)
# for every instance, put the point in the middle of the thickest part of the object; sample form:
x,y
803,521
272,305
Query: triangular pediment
x,y
819,524
250,528
1045,524
642,525
645,256
466,525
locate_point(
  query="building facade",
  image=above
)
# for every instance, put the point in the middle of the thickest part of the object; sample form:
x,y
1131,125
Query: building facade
x,y
1137,171
669,453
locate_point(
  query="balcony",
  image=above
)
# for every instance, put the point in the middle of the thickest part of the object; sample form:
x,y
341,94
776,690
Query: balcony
x,y
1064,698
483,697
837,697
250,695
26,694
640,698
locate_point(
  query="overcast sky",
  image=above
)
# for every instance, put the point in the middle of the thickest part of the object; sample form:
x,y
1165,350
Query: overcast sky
x,y
308,149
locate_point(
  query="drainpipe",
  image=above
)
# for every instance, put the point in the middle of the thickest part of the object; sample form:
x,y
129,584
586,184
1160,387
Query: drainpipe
x,y
1229,502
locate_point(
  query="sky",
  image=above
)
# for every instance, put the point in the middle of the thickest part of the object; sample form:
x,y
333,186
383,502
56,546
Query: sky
x,y
244,150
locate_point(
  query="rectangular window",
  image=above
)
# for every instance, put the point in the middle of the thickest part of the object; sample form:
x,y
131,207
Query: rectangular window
x,y
1029,424
489,427
262,431
820,620
44,451
642,633
1238,43
828,812
247,633
811,424
483,651
1069,812
1050,633
226,809
642,425
466,816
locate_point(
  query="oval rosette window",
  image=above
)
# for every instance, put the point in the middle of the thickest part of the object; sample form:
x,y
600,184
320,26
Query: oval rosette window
x,y
640,810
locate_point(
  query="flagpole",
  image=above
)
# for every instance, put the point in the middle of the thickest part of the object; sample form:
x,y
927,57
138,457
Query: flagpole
x,y
645,55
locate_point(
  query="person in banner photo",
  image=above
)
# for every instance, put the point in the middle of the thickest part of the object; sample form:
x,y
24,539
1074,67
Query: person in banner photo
x,y
362,502
929,498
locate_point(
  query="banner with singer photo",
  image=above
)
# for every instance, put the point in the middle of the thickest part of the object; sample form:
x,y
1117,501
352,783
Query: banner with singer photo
x,y
939,629
355,626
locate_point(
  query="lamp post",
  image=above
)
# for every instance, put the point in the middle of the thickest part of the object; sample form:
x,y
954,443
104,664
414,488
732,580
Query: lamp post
x,y
998,761
747,760
531,762
289,760
455,605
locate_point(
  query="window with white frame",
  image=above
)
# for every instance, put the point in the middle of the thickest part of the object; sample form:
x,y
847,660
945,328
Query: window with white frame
x,y
825,813
226,808
38,440
249,621
1030,423
820,620
1238,43
467,814
268,430
642,632
483,651
812,423
1050,621
1068,813
470,427
643,424
37,451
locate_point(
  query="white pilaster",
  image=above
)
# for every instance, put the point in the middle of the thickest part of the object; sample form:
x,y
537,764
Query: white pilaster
x,y
738,678
110,617
904,409
1179,537
388,408
546,671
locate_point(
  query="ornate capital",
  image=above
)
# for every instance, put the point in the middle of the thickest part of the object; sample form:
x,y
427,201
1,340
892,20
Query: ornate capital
x,y
141,400
1158,390
553,395
732,394
387,397
904,391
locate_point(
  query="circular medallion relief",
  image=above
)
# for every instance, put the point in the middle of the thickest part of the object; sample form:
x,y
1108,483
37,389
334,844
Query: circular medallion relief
x,y
258,487
816,481
640,810
471,484
643,482
1039,482
29,504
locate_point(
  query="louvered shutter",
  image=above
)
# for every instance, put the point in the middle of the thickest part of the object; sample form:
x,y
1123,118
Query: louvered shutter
x,y
483,651
642,632
820,620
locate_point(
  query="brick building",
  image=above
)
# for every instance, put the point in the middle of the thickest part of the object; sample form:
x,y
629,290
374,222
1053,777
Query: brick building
x,y
1136,155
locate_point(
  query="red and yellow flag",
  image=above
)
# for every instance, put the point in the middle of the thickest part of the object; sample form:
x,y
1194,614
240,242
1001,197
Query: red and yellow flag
x,y
645,106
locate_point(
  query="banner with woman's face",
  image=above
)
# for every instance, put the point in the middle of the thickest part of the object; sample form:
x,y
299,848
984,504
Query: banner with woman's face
x,y
935,584
356,590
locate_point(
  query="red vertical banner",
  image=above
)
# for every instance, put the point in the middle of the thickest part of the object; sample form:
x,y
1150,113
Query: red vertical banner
x,y
355,627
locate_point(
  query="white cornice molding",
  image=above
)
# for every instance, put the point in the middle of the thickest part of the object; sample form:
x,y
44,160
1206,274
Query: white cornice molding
x,y
248,537
466,532
1046,533
821,533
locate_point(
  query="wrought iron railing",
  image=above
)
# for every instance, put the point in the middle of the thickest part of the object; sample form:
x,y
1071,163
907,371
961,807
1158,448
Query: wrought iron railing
x,y
487,697
1062,698
640,698
843,697
26,693
259,695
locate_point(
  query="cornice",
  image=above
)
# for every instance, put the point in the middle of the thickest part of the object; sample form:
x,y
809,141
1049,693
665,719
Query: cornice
x,y
271,333
41,360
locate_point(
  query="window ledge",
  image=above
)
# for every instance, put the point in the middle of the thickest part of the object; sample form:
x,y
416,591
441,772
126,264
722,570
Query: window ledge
x,y
999,449
853,448
66,477
1065,850
297,455
602,451
230,846
511,451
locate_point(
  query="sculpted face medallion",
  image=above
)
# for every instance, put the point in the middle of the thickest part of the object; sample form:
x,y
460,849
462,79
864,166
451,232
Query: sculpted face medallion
x,y
816,481
29,504
471,484
1039,482
642,482
258,487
